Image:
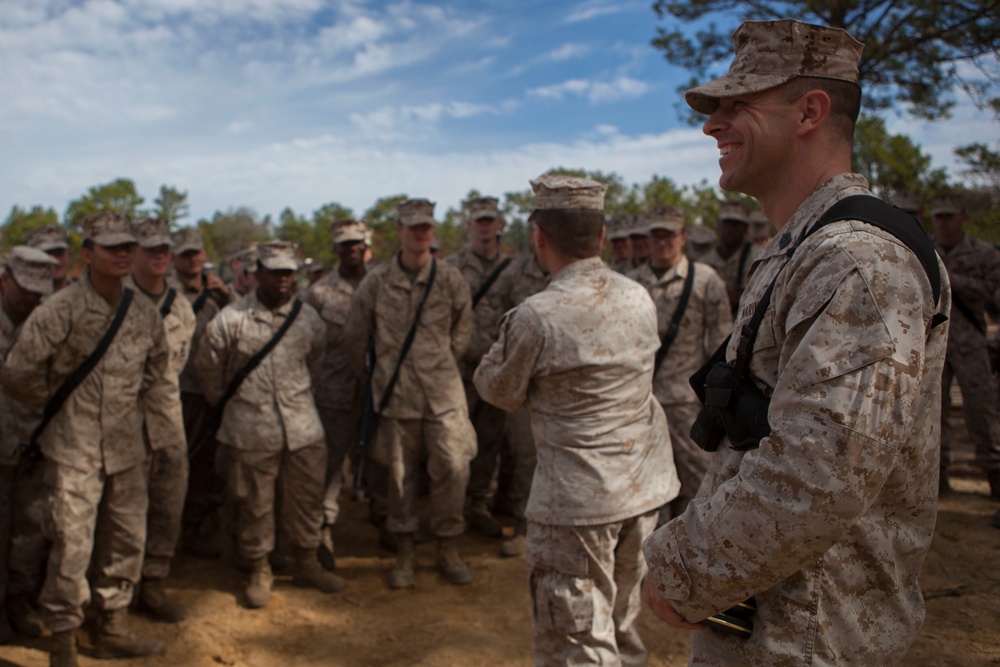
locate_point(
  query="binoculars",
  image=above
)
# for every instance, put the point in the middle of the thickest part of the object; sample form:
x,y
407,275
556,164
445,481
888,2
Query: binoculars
x,y
735,620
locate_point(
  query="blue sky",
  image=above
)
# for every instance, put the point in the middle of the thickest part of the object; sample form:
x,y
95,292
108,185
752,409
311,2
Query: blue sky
x,y
275,103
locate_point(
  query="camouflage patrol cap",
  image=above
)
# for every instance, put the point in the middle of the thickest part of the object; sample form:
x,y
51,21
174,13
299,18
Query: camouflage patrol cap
x,y
947,205
558,191
907,201
186,240
618,230
700,235
636,226
152,232
248,258
278,255
670,218
770,53
314,266
31,268
49,237
483,207
347,230
108,228
415,212
733,211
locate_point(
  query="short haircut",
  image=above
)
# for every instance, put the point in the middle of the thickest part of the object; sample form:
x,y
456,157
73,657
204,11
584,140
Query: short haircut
x,y
845,101
573,232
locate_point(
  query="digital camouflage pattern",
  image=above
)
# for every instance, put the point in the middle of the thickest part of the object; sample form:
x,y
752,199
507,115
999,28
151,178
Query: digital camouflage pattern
x,y
728,268
827,523
486,315
603,448
206,313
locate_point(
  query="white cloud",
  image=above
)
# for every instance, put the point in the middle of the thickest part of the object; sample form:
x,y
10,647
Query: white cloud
x,y
590,10
595,91
415,123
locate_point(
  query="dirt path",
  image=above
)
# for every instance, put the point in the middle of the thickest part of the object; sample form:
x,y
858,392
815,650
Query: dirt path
x,y
488,624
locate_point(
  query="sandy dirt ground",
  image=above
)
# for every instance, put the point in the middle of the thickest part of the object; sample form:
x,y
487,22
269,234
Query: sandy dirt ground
x,y
487,623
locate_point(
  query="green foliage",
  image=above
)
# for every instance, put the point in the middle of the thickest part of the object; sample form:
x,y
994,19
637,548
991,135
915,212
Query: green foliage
x,y
381,218
171,204
20,221
892,162
981,169
229,232
911,48
118,195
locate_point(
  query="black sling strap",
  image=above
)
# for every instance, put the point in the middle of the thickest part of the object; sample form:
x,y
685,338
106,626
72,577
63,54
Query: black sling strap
x,y
675,321
168,302
741,269
407,342
199,303
485,287
73,381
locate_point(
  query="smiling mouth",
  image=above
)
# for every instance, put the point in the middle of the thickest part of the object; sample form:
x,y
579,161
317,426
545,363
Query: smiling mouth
x,y
727,149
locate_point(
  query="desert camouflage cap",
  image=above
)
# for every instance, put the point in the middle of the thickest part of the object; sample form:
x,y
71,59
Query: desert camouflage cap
x,y
700,235
770,53
415,212
247,258
554,191
482,207
670,218
347,230
49,237
636,226
618,229
109,228
947,205
31,268
152,232
733,211
278,255
187,239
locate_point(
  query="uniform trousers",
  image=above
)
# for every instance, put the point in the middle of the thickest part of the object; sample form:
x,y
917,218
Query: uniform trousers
x,y
254,476
341,428
449,443
168,479
94,517
586,586
488,422
521,444
24,542
691,460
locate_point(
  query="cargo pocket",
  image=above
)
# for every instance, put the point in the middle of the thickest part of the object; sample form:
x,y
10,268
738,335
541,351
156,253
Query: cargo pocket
x,y
561,589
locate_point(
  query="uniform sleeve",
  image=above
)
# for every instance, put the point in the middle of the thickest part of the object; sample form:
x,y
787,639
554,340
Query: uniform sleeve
x,y
462,320
718,313
317,346
360,322
983,286
504,374
26,373
210,361
839,414
159,396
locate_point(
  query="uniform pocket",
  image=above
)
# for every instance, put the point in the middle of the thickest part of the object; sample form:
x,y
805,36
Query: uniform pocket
x,y
561,588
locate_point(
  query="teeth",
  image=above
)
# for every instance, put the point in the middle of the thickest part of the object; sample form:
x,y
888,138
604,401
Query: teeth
x,y
726,150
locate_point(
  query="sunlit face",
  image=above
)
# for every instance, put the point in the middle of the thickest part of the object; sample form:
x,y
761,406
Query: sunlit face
x,y
113,262
416,239
666,247
485,228
153,261
190,262
755,134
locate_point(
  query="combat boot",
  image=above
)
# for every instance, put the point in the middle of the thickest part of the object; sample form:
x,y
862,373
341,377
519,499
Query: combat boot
x,y
63,650
324,552
116,640
513,546
449,564
482,519
308,572
154,601
23,615
261,581
401,575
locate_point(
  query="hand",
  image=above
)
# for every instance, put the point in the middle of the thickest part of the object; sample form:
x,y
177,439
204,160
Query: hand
x,y
662,608
214,282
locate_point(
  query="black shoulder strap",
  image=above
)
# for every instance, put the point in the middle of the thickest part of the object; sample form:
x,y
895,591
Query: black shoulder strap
x,y
675,321
741,269
254,361
199,303
485,287
407,342
168,302
83,370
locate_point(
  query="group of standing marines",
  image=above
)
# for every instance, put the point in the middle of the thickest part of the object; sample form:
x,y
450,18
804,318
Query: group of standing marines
x,y
162,402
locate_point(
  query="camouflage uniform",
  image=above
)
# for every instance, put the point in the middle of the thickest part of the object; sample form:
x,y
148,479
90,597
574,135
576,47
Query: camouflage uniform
x,y
729,268
827,523
427,411
974,270
168,464
93,446
338,388
579,356
488,420
270,427
706,323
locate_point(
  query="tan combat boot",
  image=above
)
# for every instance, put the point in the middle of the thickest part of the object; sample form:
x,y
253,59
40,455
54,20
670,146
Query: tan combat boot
x,y
401,575
23,615
63,650
155,602
450,565
116,640
308,572
261,581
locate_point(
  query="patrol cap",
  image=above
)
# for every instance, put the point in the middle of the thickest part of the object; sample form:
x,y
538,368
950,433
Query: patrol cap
x,y
347,230
733,211
49,237
314,266
907,201
770,53
947,205
31,268
108,228
415,212
618,230
187,239
152,232
248,258
700,235
670,218
637,226
559,191
278,255
483,207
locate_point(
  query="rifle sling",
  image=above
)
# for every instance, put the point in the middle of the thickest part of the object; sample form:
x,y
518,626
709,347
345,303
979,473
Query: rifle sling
x,y
485,287
675,321
199,303
168,302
